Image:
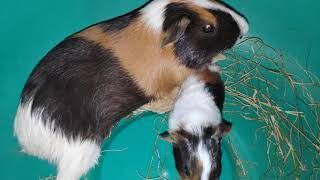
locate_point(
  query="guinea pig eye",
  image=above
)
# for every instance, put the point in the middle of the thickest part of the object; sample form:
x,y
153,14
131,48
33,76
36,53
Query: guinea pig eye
x,y
208,28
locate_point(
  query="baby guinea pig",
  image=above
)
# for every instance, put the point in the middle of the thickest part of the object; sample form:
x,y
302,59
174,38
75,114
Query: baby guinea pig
x,y
196,128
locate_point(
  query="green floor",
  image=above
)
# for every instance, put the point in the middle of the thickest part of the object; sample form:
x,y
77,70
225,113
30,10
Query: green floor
x,y
29,29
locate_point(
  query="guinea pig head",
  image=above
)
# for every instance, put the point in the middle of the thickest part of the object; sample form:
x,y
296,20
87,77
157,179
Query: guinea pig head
x,y
199,30
198,155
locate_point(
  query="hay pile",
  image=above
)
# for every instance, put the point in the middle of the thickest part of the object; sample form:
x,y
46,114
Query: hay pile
x,y
263,86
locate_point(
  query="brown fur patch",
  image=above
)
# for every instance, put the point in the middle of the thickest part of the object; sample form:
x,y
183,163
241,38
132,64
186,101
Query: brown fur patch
x,y
95,34
204,14
196,175
164,104
209,77
196,172
156,70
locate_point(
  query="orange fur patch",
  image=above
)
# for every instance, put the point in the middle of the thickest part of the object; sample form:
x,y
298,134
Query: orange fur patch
x,y
156,70
204,14
209,77
196,172
166,104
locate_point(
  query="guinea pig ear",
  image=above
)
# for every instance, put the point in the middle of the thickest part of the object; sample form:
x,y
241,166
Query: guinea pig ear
x,y
169,136
175,32
223,128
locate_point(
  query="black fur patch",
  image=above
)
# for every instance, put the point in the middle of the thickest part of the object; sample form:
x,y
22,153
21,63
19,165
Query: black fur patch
x,y
83,89
175,12
213,144
230,7
185,162
228,30
196,48
218,92
121,22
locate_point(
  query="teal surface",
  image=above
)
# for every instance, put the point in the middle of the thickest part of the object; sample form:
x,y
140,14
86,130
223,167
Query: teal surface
x,y
29,29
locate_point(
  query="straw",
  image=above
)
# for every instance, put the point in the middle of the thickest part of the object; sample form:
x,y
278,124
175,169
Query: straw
x,y
264,86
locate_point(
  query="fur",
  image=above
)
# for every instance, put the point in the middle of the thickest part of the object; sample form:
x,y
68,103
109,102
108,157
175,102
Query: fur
x,y
205,159
240,19
153,14
73,157
196,127
195,108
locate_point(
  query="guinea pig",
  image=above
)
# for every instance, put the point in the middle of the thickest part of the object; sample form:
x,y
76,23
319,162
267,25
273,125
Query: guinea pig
x,y
196,127
95,77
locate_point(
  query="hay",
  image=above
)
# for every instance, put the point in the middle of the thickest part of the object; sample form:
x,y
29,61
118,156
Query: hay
x,y
156,168
48,178
263,86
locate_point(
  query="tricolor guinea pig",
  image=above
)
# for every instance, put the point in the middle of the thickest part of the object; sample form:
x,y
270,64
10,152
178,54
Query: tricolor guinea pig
x,y
93,78
196,128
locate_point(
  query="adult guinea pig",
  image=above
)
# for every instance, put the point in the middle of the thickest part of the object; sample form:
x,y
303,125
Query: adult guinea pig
x,y
93,78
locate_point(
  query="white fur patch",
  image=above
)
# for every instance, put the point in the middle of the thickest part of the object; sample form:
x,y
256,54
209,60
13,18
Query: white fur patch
x,y
204,157
73,157
153,14
195,108
241,21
